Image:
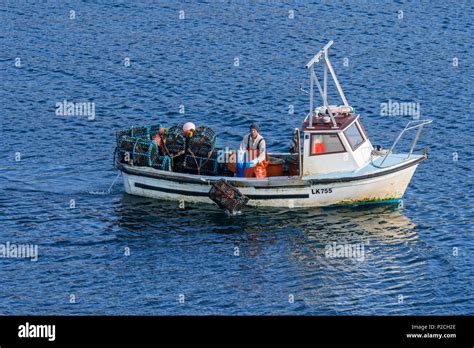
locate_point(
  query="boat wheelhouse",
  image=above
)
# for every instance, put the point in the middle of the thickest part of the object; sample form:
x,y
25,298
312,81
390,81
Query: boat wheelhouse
x,y
333,162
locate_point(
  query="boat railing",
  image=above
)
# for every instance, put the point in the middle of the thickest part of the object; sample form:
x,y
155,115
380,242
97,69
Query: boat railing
x,y
297,135
410,125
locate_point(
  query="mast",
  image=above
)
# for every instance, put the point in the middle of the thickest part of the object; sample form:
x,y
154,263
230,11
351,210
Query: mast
x,y
323,55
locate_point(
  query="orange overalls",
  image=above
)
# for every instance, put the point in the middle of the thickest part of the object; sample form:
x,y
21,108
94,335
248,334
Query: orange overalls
x,y
260,170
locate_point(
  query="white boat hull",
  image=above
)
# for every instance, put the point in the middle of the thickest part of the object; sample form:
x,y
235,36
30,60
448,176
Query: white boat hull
x,y
388,187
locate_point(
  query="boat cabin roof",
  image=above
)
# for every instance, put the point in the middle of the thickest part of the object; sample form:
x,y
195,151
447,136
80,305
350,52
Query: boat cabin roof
x,y
319,124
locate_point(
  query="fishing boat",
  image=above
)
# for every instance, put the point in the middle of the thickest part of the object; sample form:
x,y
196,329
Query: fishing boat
x,y
333,162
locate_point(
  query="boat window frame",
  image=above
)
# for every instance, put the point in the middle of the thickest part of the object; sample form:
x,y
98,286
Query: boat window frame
x,y
362,128
362,134
325,153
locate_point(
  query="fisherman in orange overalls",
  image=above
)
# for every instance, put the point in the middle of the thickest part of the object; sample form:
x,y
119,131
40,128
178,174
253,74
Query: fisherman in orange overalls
x,y
256,159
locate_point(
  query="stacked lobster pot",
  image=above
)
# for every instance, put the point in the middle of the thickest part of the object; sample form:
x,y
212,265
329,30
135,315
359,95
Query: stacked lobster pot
x,y
201,156
175,146
135,146
195,155
126,140
175,140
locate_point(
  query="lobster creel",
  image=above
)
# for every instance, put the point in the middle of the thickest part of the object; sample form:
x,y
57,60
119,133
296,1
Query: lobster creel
x,y
123,134
175,140
161,163
203,141
144,153
143,133
126,143
200,165
227,196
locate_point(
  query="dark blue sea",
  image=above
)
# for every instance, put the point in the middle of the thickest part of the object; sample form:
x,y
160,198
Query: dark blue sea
x,y
225,64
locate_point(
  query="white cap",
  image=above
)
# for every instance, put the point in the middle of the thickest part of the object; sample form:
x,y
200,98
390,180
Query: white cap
x,y
188,126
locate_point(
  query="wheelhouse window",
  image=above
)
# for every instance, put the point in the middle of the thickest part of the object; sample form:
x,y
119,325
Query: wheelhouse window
x,y
322,144
362,128
354,136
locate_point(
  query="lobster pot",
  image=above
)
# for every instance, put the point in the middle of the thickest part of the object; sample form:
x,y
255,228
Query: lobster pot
x,y
141,132
119,135
177,164
227,197
203,141
125,144
200,165
162,163
144,153
175,140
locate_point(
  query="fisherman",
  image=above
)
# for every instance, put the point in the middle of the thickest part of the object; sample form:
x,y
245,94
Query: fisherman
x,y
160,137
188,129
255,147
